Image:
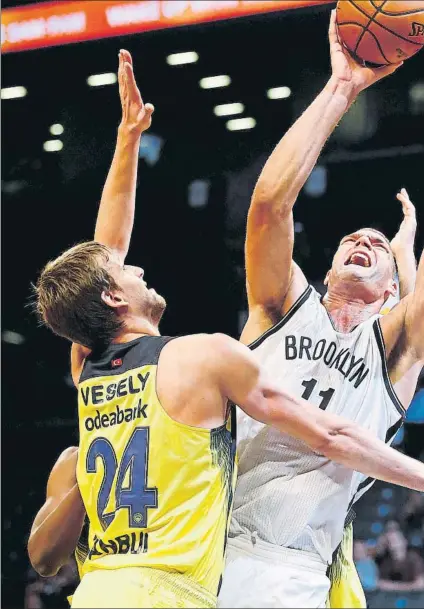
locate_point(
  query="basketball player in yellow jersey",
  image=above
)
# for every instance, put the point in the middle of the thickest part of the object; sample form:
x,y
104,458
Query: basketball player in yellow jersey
x,y
156,463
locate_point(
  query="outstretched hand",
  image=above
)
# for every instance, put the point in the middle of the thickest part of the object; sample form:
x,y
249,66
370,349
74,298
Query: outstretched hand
x,y
405,237
136,116
345,69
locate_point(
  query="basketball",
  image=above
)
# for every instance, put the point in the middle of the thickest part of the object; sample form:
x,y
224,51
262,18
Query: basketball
x,y
381,32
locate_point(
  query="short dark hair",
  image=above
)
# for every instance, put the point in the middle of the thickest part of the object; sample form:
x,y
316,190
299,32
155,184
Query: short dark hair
x,y
69,296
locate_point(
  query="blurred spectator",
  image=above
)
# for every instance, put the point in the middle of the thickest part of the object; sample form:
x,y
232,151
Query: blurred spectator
x,y
413,512
401,568
365,565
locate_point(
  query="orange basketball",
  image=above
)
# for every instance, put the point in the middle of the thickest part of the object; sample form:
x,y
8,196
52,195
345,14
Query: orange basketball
x,y
381,32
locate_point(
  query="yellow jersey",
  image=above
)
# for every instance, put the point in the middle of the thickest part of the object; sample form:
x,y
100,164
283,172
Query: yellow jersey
x,y
157,493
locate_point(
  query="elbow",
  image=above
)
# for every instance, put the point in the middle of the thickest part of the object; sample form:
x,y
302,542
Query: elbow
x,y
273,200
41,562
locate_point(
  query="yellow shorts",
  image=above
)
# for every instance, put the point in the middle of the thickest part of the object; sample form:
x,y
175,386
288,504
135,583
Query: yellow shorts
x,y
346,589
139,587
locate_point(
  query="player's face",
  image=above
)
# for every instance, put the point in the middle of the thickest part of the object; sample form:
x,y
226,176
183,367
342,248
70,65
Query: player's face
x,y
364,258
142,300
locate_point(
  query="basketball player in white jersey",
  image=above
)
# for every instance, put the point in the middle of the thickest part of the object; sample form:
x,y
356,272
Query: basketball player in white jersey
x,y
337,352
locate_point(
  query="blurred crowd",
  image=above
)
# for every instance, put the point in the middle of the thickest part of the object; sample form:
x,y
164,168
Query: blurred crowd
x,y
396,560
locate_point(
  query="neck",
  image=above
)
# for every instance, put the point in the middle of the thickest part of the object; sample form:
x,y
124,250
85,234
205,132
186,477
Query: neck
x,y
135,328
347,314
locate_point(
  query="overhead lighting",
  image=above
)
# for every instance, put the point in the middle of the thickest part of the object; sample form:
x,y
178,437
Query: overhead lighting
x,y
56,129
416,92
213,82
98,80
279,93
13,92
178,59
12,337
238,124
53,145
228,109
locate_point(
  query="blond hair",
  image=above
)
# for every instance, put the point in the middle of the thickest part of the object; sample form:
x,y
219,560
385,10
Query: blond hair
x,y
69,296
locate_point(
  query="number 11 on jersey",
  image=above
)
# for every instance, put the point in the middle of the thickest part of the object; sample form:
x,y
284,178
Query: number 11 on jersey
x,y
326,395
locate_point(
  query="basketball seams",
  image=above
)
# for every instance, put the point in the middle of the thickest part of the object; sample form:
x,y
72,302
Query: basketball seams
x,y
369,32
416,11
379,45
371,19
361,10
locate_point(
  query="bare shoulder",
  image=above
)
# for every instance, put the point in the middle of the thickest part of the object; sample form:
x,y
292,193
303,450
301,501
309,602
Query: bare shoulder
x,y
66,461
261,318
78,355
201,350
63,475
187,379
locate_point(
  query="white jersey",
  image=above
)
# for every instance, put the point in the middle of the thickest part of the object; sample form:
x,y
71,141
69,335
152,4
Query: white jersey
x,y
287,494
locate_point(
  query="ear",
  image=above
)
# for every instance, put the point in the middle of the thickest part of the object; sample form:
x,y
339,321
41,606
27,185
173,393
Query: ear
x,y
114,299
392,290
327,277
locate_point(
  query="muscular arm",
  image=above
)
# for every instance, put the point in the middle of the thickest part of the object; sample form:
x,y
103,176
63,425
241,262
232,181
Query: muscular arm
x,y
273,282
414,317
115,218
57,526
269,241
243,381
116,212
403,246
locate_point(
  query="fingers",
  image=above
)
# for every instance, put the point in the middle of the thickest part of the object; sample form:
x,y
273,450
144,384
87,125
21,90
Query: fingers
x,y
127,56
387,70
408,207
132,88
149,109
332,30
121,77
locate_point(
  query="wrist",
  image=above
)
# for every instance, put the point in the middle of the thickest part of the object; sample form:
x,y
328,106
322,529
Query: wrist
x,y
129,133
342,89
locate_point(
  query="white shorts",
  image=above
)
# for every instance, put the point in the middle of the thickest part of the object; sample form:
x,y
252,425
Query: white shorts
x,y
258,574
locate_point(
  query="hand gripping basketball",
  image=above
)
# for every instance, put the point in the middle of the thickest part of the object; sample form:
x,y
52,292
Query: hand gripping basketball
x,y
346,70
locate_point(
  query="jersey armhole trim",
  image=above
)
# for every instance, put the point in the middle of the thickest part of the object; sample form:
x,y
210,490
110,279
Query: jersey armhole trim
x,y
295,307
387,382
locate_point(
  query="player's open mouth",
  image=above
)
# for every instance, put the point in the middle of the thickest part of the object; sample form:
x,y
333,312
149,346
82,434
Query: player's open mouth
x,y
359,259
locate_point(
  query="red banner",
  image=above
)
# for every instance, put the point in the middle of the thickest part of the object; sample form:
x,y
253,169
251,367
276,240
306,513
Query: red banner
x,y
54,23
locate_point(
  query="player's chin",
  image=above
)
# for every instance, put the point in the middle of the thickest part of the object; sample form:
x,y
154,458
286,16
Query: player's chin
x,y
357,273
159,300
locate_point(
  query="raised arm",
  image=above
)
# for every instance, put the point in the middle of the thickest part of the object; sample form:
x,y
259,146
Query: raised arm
x,y
115,217
403,246
414,317
243,381
273,282
116,212
57,526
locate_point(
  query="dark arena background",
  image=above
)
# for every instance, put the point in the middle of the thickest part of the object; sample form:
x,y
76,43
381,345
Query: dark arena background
x,y
197,171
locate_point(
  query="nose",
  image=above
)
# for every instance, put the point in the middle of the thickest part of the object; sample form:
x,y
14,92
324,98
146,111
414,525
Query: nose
x,y
139,272
365,241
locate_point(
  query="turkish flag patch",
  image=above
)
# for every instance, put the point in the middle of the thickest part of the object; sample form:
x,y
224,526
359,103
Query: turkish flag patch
x,y
116,362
